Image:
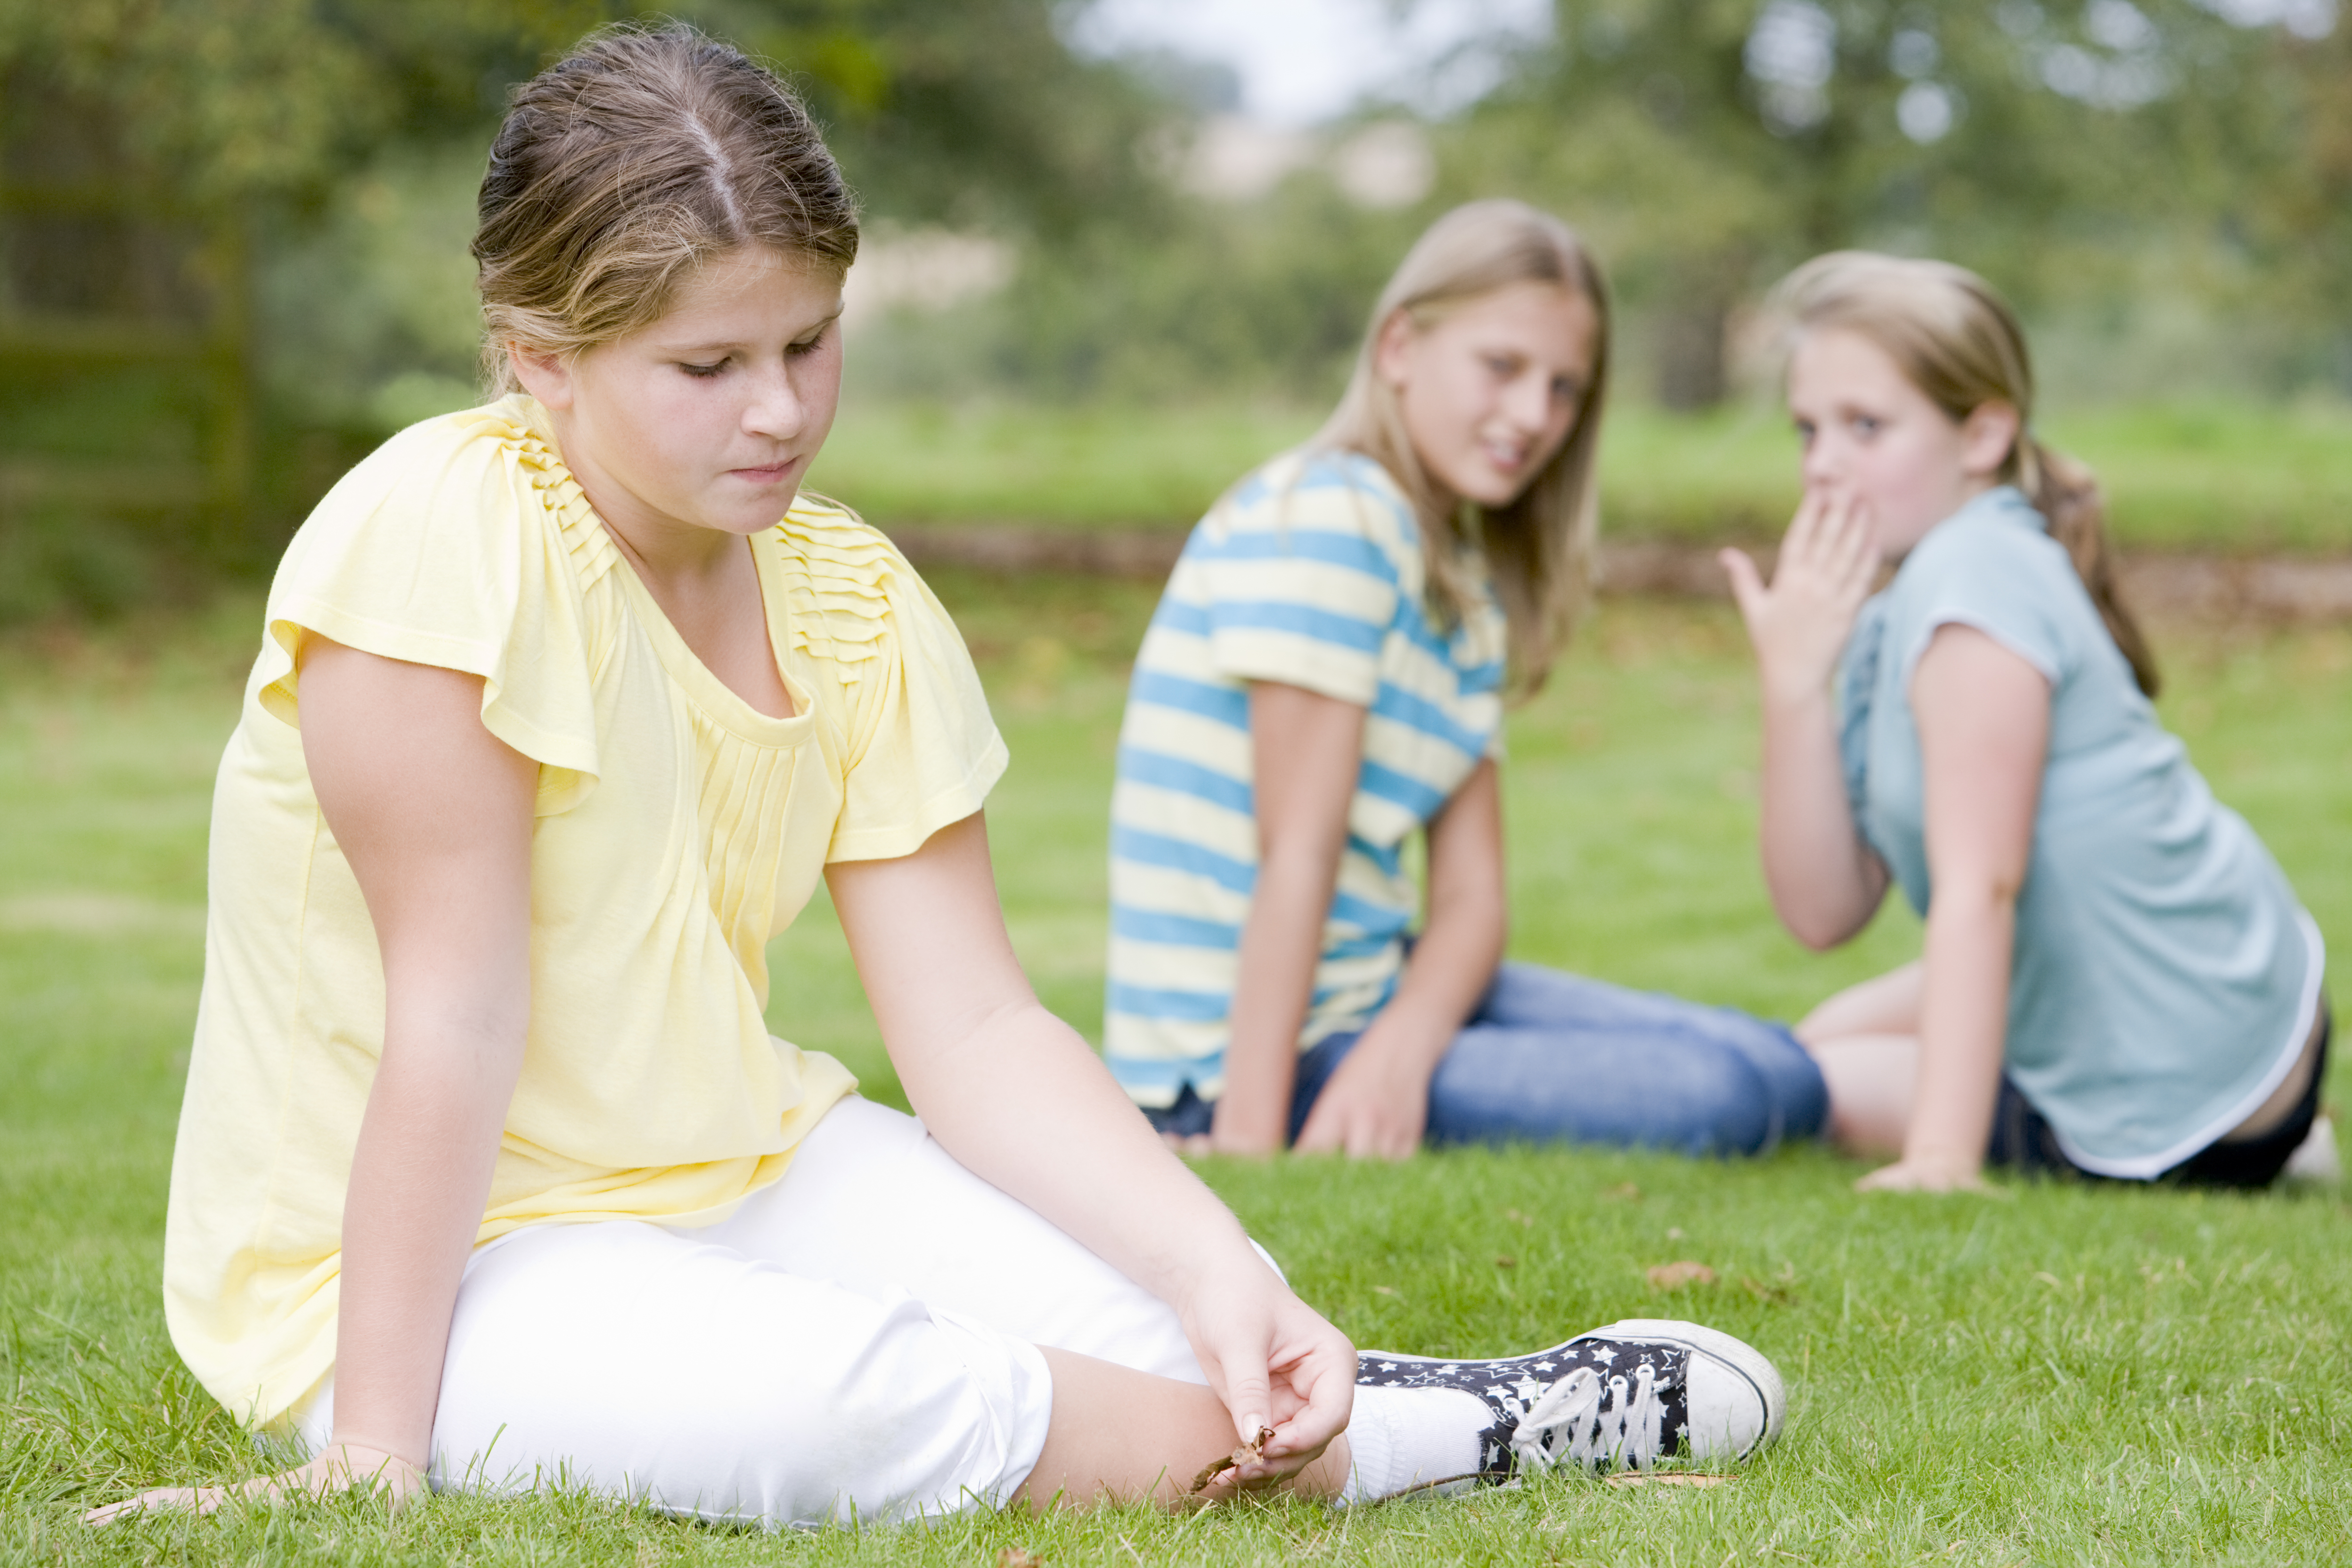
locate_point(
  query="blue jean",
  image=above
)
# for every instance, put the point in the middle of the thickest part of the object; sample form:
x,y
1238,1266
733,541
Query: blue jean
x,y
1550,1057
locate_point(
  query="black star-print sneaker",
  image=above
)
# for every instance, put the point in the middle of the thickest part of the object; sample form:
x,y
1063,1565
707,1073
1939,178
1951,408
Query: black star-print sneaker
x,y
1632,1394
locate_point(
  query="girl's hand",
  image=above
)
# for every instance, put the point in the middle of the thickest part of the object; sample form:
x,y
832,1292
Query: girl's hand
x,y
1925,1174
1253,1131
1798,624
1273,1361
342,1468
1375,1106
1195,1145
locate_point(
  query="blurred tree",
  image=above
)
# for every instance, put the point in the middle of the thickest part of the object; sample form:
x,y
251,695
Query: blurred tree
x,y
971,113
1710,144
2269,194
232,99
153,153
143,145
968,112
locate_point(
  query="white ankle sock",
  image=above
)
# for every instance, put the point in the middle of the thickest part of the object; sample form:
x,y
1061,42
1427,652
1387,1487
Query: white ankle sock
x,y
1402,1437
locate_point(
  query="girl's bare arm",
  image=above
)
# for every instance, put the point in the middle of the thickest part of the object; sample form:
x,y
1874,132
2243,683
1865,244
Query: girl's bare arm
x,y
1984,734
1824,881
1017,1096
1306,748
434,815
434,812
1376,1103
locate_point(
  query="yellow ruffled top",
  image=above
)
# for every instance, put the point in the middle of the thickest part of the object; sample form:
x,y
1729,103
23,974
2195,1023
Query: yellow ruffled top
x,y
678,830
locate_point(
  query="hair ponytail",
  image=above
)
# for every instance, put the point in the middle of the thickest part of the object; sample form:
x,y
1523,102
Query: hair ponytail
x,y
1957,342
2067,493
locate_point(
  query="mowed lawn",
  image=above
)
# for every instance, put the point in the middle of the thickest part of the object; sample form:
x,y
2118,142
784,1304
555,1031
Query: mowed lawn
x,y
2053,1374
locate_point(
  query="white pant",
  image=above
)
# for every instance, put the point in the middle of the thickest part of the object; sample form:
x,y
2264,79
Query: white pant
x,y
858,1342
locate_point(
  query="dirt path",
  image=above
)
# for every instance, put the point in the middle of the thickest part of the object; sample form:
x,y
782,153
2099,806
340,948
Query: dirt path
x,y
2161,584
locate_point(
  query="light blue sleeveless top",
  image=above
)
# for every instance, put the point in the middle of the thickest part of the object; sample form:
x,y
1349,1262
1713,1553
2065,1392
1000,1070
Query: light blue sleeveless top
x,y
2164,976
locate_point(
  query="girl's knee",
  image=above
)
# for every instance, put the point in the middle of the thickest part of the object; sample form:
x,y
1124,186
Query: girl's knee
x,y
1694,1096
1728,1109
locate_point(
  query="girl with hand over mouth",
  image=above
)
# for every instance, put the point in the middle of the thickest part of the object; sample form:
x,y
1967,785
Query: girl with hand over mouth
x,y
2117,981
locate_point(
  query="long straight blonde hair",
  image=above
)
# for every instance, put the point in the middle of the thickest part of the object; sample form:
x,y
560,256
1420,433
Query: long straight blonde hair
x,y
1955,340
1538,549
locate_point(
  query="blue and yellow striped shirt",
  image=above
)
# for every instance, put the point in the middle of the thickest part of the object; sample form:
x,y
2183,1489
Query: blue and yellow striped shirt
x,y
1309,572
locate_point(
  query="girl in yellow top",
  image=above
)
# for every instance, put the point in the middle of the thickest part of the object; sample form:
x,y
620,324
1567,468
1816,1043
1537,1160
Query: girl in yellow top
x,y
489,1170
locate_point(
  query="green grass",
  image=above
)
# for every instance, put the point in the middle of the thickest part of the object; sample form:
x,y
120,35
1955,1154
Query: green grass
x,y
2215,477
2055,1375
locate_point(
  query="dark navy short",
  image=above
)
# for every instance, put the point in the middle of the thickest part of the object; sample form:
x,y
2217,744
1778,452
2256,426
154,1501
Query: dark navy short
x,y
2023,1140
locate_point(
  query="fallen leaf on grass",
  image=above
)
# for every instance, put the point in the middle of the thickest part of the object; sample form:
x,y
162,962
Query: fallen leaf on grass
x,y
1674,1276
1014,1557
1626,1191
1778,1295
1505,1260
1253,1449
1651,1479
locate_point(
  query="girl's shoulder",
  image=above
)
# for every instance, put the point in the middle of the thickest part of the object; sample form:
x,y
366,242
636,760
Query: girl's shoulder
x,y
847,587
1322,490
464,544
452,487
1997,533
1993,566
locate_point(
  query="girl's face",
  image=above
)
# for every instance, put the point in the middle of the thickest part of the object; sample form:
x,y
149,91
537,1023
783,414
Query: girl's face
x,y
1874,439
708,418
1489,390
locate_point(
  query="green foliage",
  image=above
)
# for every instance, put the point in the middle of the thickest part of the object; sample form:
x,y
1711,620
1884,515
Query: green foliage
x,y
373,317
973,114
2058,1374
1256,300
1706,163
233,100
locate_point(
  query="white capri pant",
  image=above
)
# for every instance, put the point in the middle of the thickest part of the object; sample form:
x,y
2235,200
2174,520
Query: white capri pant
x,y
860,1341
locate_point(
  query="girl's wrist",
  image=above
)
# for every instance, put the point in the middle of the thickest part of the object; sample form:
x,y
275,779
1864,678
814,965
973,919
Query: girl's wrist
x,y
1405,1040
1249,1122
1786,694
1949,1162
364,1455
1218,1268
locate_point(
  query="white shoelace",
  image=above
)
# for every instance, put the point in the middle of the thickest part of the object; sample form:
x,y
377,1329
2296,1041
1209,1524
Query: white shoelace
x,y
1603,1422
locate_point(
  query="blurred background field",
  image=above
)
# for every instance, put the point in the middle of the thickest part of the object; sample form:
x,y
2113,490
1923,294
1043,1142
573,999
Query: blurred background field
x,y
1119,250
2231,477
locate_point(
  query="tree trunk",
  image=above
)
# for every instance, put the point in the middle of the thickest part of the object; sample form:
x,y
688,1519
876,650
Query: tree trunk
x,y
1692,372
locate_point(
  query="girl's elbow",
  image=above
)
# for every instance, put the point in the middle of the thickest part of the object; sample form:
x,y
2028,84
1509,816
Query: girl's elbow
x,y
1817,936
1819,929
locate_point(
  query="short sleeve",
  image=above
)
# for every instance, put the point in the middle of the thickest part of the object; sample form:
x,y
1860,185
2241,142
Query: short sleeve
x,y
439,549
1998,573
1302,573
922,751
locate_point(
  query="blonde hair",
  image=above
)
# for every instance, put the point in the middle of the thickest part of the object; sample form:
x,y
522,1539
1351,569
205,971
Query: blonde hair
x,y
628,164
1539,548
1957,342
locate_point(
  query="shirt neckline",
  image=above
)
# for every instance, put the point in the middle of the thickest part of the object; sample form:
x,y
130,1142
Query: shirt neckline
x,y
717,699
